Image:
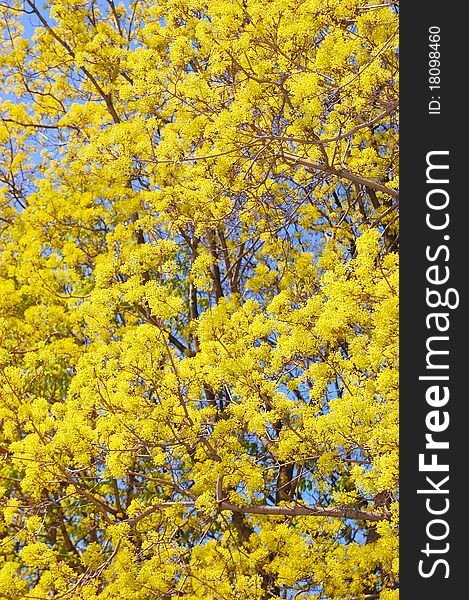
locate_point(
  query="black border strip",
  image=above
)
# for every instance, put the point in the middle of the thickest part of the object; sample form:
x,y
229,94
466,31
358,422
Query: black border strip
x,y
434,263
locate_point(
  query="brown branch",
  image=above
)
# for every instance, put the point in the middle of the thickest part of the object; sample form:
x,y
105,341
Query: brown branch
x,y
317,141
214,267
227,260
311,511
63,530
342,173
155,507
386,212
185,159
38,125
272,511
115,488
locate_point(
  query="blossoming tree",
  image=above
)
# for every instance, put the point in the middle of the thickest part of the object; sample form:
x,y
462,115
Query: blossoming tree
x,y
199,300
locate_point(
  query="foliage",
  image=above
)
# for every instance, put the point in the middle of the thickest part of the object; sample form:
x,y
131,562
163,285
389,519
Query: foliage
x,y
199,300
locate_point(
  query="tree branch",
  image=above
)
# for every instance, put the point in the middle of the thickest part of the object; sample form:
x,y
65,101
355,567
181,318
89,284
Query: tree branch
x,y
318,141
272,511
342,173
307,511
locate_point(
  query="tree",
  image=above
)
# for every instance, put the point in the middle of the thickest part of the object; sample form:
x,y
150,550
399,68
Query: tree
x,y
199,309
